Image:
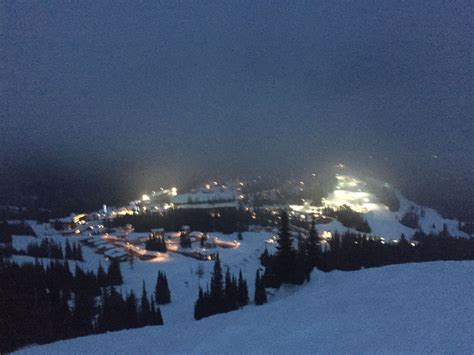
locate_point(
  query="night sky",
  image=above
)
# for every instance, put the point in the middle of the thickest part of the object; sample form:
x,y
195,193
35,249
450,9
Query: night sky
x,y
143,93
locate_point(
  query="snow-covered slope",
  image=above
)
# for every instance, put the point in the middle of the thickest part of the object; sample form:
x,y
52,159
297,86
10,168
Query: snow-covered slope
x,y
182,272
418,308
356,193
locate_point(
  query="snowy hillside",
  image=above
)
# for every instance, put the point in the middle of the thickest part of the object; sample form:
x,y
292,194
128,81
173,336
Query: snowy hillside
x,y
412,307
418,308
185,274
356,193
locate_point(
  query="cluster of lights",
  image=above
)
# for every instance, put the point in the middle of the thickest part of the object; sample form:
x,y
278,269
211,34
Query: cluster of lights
x,y
122,212
172,192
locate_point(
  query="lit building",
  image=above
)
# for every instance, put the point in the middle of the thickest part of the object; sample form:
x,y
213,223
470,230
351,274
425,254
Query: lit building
x,y
207,199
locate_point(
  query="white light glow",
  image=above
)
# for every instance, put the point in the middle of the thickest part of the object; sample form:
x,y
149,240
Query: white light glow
x,y
349,191
326,235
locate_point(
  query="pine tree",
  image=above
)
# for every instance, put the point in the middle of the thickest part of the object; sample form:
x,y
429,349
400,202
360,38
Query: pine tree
x,y
152,311
104,312
270,277
62,315
228,291
102,279
303,265
145,310
312,248
156,318
234,299
243,291
260,292
199,306
162,291
131,311
83,313
114,274
115,311
285,259
159,317
217,293
166,290
231,296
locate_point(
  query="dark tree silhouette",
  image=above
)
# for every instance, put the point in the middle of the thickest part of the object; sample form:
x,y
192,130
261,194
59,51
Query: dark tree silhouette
x,y
260,292
114,274
162,291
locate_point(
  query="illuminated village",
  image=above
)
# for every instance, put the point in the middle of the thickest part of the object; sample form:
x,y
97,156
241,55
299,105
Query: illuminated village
x,y
184,236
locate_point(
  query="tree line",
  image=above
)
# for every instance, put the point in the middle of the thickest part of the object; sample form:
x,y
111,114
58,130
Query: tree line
x,y
7,230
349,218
223,295
291,264
225,220
354,251
410,219
41,303
48,248
351,251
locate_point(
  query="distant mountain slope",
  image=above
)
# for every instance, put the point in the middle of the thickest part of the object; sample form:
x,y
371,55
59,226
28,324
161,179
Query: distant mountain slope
x,y
364,195
418,308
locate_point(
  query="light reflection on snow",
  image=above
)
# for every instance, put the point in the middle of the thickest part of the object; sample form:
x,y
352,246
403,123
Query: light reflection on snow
x,y
161,258
350,191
